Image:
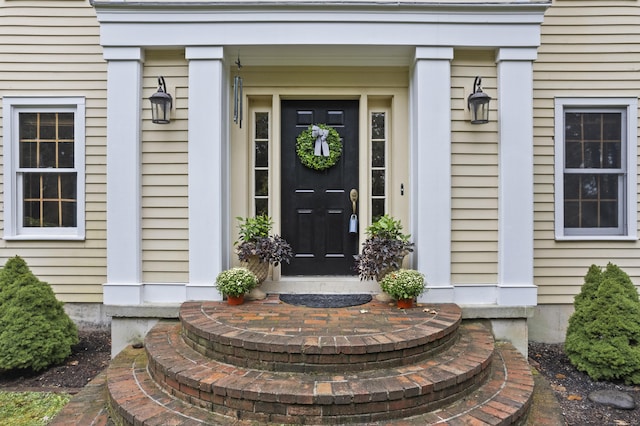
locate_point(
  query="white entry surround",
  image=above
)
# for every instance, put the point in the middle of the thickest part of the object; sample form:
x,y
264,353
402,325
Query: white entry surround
x,y
421,35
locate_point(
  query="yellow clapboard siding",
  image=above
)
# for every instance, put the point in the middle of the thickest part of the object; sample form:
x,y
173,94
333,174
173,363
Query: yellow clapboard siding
x,y
472,278
589,49
165,276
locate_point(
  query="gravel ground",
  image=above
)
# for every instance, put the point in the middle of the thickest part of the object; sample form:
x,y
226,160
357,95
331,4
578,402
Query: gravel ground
x,y
572,388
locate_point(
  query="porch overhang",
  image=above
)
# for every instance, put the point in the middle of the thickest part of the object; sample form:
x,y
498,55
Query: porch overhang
x,y
419,35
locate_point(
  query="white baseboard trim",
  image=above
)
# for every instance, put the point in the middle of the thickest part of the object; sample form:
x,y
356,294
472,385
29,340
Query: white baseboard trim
x,y
468,294
483,294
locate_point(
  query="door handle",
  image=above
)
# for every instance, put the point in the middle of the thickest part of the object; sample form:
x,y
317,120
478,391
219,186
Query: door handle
x,y
353,195
353,221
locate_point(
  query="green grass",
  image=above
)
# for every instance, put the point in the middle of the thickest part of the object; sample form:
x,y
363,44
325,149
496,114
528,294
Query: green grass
x,y
30,408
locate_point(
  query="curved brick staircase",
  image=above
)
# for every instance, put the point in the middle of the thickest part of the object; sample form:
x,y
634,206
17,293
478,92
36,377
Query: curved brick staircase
x,y
271,363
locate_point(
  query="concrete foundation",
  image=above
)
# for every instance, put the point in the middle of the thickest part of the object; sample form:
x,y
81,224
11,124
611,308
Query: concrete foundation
x,y
129,324
88,316
508,323
549,323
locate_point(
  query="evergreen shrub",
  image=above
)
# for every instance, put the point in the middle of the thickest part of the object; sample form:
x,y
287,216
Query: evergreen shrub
x,y
603,337
35,331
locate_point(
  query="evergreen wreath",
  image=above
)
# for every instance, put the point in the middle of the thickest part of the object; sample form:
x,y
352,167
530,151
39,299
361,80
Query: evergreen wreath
x,y
305,147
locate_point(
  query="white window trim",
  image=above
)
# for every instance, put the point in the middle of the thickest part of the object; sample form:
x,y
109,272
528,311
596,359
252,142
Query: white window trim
x,y
12,205
630,192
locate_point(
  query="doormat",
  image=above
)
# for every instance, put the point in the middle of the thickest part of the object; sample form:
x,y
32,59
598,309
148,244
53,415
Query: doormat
x,y
326,300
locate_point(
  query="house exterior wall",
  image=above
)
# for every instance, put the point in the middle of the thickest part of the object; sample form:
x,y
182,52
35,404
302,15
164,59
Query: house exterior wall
x,y
50,52
589,49
77,67
475,168
165,187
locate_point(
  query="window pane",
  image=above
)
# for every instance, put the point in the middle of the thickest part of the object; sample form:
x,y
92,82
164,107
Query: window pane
x,y
609,214
50,186
68,186
593,140
589,215
588,186
572,214
28,154
609,187
591,155
66,155
46,140
69,210
31,217
50,214
52,196
262,154
377,153
28,125
47,155
262,206
377,182
262,125
611,155
377,125
47,128
377,208
571,187
262,182
65,126
592,200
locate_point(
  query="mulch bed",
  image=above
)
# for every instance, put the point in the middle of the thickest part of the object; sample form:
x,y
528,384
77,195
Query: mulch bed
x,y
89,357
572,388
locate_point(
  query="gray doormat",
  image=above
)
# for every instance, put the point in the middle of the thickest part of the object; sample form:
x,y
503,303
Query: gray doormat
x,y
326,300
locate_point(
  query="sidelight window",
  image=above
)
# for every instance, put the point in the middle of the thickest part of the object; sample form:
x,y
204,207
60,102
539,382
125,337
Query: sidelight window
x,y
378,144
261,163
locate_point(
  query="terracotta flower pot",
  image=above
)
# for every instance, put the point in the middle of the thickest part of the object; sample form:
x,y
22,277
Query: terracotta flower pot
x,y
405,303
235,300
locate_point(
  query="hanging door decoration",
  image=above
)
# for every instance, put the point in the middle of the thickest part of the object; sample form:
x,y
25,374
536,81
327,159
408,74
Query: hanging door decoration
x,y
319,147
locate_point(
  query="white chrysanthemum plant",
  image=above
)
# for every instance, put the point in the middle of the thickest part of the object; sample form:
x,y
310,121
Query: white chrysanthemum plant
x,y
404,284
236,281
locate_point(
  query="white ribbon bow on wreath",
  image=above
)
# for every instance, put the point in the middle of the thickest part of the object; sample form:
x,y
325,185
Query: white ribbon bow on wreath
x,y
322,147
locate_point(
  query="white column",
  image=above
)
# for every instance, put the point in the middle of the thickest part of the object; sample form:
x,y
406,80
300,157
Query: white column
x,y
208,136
431,168
515,121
124,254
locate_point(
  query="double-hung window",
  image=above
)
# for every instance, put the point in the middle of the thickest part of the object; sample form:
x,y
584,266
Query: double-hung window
x,y
595,182
44,168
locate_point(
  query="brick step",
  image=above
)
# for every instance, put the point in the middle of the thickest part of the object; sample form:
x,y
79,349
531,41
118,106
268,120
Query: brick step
x,y
503,399
268,337
361,396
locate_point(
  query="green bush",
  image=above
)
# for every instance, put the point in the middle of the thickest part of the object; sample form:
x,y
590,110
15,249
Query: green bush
x,y
603,337
35,331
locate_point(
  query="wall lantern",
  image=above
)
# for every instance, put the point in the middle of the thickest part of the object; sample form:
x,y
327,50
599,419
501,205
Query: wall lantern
x,y
478,103
161,103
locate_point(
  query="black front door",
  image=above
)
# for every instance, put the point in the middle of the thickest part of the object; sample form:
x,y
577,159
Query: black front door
x,y
316,205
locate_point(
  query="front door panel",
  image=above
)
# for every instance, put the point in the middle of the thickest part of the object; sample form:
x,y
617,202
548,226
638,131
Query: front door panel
x,y
316,207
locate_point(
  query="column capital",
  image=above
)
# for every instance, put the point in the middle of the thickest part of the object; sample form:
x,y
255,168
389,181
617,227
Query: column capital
x,y
517,54
204,52
123,54
433,53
